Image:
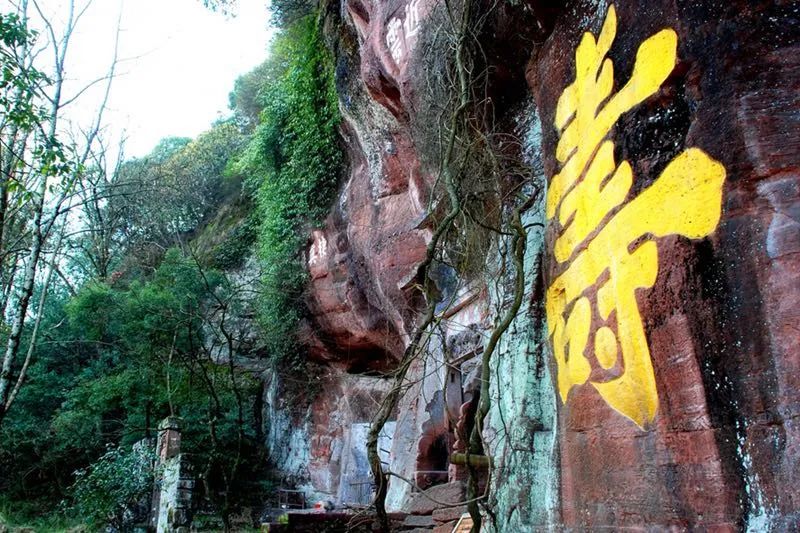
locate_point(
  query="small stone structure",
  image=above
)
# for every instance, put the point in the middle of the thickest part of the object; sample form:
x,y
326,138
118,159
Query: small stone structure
x,y
172,493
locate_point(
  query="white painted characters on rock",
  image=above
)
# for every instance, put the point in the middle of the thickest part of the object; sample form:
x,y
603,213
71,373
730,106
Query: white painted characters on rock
x,y
394,38
319,249
400,33
411,24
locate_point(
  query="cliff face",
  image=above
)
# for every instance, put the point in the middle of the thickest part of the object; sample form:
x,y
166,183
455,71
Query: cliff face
x,y
719,444
652,374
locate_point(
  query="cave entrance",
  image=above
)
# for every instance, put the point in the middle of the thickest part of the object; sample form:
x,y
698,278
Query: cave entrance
x,y
433,462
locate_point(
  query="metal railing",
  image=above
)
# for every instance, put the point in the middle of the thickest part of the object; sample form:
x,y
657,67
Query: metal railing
x,y
291,499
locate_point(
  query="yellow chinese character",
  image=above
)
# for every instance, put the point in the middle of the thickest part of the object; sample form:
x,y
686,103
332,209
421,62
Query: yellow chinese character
x,y
598,227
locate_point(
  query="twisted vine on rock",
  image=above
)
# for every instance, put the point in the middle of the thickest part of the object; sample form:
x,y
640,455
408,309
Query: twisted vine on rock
x,y
467,150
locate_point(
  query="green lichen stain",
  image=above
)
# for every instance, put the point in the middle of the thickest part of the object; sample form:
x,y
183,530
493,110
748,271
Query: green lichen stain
x,y
522,421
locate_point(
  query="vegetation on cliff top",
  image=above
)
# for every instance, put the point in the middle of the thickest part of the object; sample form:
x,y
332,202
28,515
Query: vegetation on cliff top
x,y
293,162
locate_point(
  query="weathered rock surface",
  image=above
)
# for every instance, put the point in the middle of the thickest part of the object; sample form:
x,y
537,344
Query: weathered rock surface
x,y
419,521
448,514
445,528
678,405
323,449
426,502
372,243
722,447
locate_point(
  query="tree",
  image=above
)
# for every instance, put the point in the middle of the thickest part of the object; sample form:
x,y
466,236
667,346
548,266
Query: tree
x,y
98,245
41,171
285,13
246,98
168,347
116,360
160,200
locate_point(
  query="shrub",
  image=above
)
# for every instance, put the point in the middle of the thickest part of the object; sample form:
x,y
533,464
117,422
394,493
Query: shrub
x,y
109,489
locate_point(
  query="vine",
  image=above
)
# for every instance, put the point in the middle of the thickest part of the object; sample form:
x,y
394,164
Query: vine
x,y
468,195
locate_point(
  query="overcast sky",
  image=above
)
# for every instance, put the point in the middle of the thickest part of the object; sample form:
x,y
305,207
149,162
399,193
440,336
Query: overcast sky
x,y
182,61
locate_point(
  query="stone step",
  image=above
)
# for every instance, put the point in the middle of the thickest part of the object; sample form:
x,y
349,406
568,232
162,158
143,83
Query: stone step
x,y
417,521
422,503
445,528
448,514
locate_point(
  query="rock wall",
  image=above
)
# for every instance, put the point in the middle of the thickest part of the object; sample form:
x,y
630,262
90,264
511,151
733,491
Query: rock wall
x,y
678,399
652,375
522,425
322,449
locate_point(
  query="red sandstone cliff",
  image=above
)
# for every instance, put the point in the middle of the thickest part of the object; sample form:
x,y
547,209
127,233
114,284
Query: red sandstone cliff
x,y
696,428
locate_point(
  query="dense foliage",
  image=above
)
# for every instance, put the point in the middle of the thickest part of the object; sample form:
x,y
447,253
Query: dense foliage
x,y
18,81
116,361
143,317
294,162
113,486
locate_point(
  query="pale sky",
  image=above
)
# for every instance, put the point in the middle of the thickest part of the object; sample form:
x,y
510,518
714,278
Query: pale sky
x,y
182,62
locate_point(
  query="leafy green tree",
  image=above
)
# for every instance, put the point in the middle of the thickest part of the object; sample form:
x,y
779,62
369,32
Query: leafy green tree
x,y
136,326
171,192
19,80
285,13
246,98
113,362
39,174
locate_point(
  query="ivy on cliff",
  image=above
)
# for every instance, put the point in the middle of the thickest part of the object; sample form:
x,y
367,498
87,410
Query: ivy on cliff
x,y
293,161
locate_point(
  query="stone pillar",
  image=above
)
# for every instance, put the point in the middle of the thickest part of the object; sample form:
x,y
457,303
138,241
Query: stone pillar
x,y
172,494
